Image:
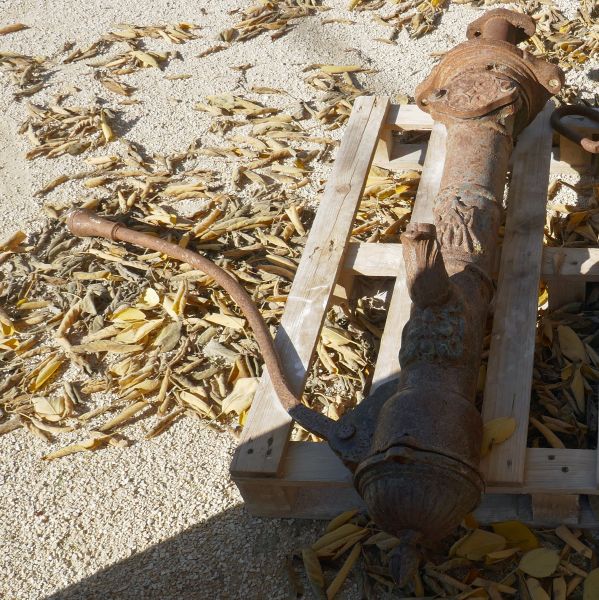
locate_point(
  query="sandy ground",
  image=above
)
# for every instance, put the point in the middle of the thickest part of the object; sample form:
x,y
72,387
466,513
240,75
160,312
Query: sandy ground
x,y
161,519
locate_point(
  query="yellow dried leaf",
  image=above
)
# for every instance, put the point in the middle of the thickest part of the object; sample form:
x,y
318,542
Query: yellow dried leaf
x,y
226,320
541,562
241,397
52,409
175,306
341,532
313,571
591,586
535,590
577,387
123,416
517,534
106,129
12,241
149,299
195,402
571,345
107,346
137,331
335,69
494,557
128,315
567,536
559,589
341,519
89,444
45,374
477,544
168,337
497,431
12,28
341,576
146,59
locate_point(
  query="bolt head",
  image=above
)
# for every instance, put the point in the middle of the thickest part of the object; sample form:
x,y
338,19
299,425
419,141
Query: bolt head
x,y
345,431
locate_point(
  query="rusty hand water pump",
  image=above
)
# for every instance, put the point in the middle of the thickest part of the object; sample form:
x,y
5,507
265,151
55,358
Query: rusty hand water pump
x,y
414,444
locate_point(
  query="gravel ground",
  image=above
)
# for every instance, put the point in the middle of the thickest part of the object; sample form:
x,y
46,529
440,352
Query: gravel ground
x,y
161,519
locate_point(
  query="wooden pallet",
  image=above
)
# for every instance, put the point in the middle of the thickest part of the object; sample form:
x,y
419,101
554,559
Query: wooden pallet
x,y
281,478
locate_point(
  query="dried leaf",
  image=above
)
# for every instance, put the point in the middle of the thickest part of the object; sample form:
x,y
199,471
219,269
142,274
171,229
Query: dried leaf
x,y
341,576
12,28
517,534
541,562
226,321
89,444
591,586
50,409
341,520
123,416
241,397
45,374
314,572
497,431
476,544
571,345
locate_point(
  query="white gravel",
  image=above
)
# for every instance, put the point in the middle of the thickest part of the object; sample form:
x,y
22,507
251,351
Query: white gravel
x,y
161,519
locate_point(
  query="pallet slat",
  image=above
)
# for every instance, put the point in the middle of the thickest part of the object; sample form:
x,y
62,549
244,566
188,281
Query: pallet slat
x,y
267,431
386,260
395,155
398,313
547,470
508,383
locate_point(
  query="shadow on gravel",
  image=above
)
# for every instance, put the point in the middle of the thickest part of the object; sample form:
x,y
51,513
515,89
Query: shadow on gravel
x,y
230,556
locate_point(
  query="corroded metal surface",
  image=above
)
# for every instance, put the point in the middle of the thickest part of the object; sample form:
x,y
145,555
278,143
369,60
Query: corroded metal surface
x,y
416,448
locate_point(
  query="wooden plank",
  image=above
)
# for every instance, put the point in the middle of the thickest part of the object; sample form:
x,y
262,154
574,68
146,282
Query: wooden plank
x,y
327,503
407,117
569,262
410,157
373,260
402,157
565,290
267,431
386,260
384,147
428,188
398,313
508,384
547,470
550,508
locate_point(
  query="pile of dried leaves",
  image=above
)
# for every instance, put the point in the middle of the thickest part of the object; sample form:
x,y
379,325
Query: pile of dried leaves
x,y
270,16
506,560
566,372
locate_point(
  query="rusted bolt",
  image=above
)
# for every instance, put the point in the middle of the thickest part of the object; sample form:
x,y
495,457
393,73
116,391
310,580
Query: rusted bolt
x,y
345,431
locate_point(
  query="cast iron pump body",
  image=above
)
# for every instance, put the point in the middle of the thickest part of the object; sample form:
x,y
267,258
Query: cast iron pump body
x,y
414,445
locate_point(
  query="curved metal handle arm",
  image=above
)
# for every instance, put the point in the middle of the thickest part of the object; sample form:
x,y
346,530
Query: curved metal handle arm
x,y
83,223
587,143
